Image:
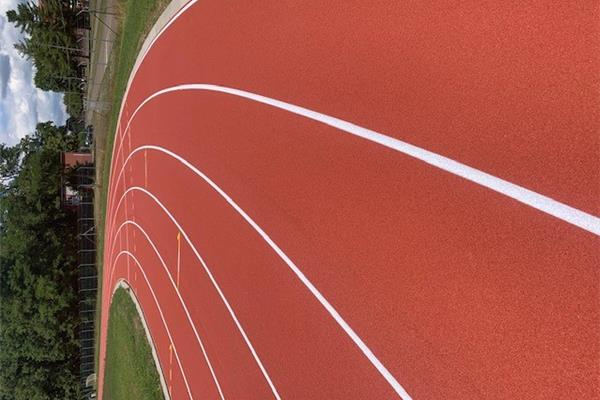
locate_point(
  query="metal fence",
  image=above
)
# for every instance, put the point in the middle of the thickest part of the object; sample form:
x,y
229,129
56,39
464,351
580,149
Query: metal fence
x,y
88,274
95,45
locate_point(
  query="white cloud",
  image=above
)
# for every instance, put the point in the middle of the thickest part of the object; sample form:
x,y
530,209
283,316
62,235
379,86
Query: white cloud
x,y
22,105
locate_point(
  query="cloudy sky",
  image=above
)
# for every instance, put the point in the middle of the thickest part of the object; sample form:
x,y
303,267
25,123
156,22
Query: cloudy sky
x,y
22,105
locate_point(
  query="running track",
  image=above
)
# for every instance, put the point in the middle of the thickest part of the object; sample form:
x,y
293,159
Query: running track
x,y
349,200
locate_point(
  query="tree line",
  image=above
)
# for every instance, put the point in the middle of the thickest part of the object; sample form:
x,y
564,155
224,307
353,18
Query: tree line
x,y
39,350
51,43
39,302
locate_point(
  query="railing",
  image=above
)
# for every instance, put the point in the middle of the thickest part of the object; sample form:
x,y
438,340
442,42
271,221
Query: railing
x,y
88,274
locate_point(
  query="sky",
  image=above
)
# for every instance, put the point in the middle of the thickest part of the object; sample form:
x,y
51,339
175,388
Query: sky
x,y
22,105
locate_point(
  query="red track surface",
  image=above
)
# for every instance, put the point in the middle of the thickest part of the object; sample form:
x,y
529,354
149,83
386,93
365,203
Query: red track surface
x,y
459,291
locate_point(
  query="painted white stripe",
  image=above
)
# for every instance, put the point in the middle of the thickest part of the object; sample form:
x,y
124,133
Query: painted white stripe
x,y
162,317
212,279
185,309
307,283
581,219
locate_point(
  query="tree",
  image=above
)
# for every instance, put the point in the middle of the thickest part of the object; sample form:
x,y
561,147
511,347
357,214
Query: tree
x,y
50,43
25,17
38,274
9,163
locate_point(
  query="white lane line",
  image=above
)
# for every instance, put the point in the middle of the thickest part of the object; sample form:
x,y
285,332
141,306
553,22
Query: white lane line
x,y
574,216
307,283
187,313
213,281
162,317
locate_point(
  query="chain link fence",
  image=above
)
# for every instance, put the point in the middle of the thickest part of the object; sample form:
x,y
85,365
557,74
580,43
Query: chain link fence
x,y
88,274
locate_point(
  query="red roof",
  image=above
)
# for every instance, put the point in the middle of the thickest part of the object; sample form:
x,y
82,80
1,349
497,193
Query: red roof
x,y
70,159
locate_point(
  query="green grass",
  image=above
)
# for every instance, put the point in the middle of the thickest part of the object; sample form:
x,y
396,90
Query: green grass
x,y
130,372
137,18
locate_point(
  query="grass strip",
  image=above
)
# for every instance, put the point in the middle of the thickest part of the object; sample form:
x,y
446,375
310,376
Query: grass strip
x,y
130,373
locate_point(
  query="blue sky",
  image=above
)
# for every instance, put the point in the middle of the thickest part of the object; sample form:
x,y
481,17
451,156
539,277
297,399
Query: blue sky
x,y
22,105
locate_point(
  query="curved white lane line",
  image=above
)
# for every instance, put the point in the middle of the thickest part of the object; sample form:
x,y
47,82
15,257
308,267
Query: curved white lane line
x,y
581,219
189,318
162,317
213,281
299,274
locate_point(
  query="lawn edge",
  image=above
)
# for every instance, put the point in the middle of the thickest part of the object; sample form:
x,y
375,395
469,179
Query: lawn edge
x,y
125,286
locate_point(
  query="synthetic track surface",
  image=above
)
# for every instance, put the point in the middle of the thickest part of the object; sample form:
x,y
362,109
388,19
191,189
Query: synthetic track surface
x,y
282,257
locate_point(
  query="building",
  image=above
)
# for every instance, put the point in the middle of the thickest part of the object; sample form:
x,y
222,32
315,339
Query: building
x,y
84,164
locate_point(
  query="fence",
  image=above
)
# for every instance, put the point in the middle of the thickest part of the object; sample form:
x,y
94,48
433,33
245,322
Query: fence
x,y
88,274
97,37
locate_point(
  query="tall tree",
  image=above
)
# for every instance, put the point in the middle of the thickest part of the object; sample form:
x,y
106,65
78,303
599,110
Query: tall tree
x,y
25,17
49,43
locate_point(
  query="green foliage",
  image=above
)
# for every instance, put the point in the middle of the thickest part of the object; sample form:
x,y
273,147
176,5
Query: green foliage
x,y
74,103
38,274
50,42
25,17
9,163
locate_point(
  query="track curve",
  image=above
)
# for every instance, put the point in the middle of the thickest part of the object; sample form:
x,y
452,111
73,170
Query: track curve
x,y
285,258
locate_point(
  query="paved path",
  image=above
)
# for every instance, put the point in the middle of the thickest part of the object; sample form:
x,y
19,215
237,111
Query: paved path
x,y
104,25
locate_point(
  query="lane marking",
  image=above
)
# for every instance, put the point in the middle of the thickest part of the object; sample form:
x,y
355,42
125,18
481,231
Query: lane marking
x,y
208,273
178,256
171,369
146,169
185,309
564,212
162,317
299,274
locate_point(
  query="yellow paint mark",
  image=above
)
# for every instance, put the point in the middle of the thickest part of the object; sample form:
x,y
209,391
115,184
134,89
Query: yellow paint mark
x,y
146,168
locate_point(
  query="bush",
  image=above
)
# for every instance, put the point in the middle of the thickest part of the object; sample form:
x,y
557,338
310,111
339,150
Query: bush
x,y
73,103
